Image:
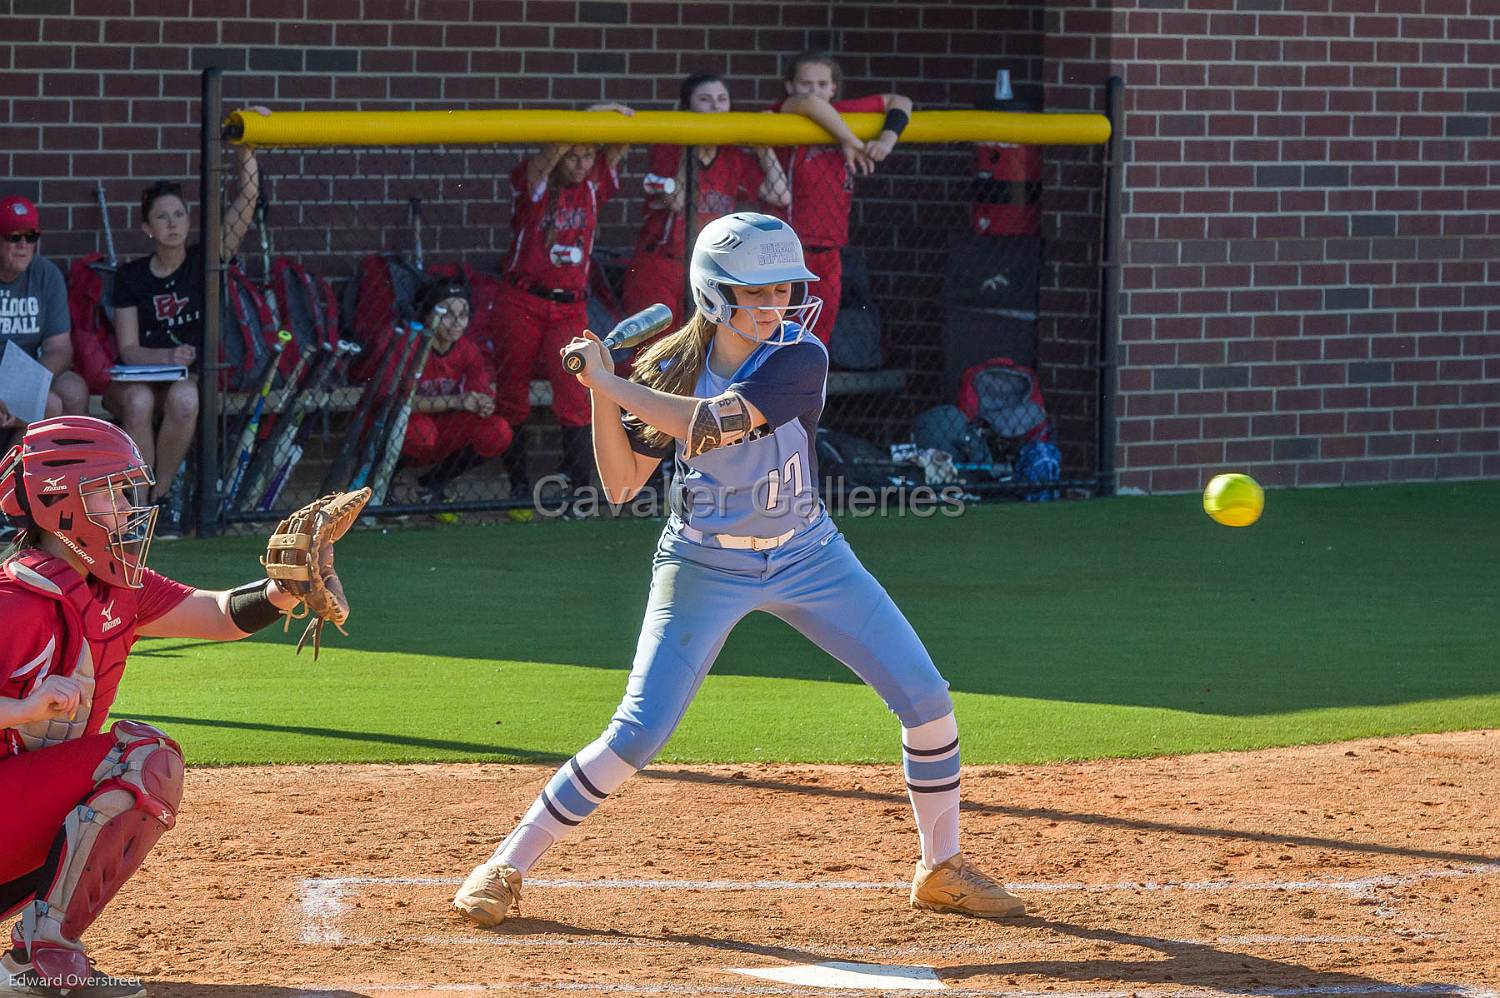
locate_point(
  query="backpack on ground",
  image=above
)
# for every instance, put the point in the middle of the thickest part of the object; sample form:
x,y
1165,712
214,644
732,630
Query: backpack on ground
x,y
90,291
1039,462
1007,396
382,293
245,333
304,305
946,428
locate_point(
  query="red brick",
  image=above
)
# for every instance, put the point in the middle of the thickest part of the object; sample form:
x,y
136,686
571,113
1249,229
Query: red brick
x,y
498,10
304,34
401,61
69,29
276,10
363,36
41,56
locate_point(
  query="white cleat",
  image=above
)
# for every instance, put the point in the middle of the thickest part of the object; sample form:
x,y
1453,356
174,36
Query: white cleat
x,y
487,897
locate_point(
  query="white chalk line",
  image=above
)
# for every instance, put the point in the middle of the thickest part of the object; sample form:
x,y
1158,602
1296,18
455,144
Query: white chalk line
x,y
321,899
322,903
1008,950
1221,884
1373,988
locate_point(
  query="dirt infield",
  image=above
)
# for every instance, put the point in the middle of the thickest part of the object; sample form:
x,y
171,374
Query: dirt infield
x,y
1370,867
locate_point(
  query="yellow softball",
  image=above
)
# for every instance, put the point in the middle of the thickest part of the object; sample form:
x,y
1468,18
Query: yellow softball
x,y
1234,500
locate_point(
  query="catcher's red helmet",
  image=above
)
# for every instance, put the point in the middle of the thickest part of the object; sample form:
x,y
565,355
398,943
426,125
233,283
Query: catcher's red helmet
x,y
76,477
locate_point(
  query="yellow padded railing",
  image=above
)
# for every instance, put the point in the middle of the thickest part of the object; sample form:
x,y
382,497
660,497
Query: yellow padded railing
x,y
424,128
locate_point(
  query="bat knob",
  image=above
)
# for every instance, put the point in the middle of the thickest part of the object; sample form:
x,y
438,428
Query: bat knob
x,y
573,362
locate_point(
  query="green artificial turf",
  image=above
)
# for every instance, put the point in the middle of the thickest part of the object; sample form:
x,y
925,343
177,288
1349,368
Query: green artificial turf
x,y
1118,627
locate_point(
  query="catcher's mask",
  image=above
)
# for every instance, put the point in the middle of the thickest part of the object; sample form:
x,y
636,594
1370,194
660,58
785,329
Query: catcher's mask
x,y
77,478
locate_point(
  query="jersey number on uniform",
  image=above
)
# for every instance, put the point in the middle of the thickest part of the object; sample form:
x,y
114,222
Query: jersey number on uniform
x,y
790,473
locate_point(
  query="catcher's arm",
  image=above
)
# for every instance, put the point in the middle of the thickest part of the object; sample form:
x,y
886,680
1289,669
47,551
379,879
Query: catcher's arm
x,y
223,614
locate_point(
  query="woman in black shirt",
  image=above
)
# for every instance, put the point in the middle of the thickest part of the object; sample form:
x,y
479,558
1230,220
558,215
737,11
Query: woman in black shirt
x,y
159,320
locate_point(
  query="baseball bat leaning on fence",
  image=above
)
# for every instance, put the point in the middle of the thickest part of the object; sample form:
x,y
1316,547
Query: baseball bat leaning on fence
x,y
633,330
262,211
246,442
416,233
344,351
341,471
278,404
273,448
381,482
374,441
109,235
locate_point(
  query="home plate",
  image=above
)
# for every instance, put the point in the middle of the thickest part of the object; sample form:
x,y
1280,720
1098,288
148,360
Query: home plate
x,y
835,974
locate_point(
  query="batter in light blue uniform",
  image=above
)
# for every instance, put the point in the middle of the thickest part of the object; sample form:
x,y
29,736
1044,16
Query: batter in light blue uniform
x,y
736,395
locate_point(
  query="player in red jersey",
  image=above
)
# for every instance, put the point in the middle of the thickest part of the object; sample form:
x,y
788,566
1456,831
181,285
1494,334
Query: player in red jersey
x,y
556,195
453,424
84,805
822,177
726,177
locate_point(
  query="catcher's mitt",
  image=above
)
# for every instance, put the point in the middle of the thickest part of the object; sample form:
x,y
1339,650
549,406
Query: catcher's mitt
x,y
300,559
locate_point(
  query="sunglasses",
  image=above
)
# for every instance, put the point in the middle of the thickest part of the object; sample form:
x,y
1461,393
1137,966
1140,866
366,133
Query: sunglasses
x,y
24,237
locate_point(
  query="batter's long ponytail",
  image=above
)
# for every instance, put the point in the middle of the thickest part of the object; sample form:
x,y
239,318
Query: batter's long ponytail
x,y
672,365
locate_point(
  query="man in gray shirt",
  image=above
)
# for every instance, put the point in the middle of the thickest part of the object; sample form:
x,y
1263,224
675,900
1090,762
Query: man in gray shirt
x,y
34,310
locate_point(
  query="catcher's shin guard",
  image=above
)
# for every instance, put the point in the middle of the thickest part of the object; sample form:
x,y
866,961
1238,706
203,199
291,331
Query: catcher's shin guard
x,y
138,787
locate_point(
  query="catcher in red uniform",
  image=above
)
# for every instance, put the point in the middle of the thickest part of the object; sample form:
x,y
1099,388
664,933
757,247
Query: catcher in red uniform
x,y
85,805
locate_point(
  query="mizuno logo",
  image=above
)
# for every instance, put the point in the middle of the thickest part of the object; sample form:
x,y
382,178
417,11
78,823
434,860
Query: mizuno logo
x,y
110,620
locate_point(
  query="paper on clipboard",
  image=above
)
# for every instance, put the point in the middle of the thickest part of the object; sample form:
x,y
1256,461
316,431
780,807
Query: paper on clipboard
x,y
24,383
147,372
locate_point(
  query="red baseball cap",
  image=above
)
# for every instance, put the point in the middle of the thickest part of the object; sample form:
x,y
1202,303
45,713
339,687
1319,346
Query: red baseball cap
x,y
17,214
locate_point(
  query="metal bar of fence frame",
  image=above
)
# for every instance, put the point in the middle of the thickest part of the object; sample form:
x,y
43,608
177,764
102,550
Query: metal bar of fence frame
x,y
211,208
1109,295
690,230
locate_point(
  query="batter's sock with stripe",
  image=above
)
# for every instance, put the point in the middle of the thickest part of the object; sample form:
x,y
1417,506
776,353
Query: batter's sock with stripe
x,y
929,755
570,796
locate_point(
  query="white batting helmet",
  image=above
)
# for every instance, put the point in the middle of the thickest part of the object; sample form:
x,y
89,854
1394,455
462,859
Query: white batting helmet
x,y
751,250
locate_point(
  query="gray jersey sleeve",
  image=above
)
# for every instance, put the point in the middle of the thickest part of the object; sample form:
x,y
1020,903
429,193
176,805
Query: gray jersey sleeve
x,y
52,295
789,384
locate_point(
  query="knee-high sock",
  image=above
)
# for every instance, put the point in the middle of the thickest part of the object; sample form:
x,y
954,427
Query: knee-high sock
x,y
570,796
929,755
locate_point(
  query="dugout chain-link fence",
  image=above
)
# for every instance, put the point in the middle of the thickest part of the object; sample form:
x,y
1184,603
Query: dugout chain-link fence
x,y
427,281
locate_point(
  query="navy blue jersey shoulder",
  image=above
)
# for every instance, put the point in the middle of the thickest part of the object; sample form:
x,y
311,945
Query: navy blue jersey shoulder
x,y
634,429
788,384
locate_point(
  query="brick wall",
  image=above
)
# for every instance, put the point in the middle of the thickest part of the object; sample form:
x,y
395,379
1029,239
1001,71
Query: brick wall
x,y
1312,269
108,89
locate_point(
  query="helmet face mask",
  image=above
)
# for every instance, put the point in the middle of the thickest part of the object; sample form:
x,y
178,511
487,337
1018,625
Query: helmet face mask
x,y
109,504
748,250
801,309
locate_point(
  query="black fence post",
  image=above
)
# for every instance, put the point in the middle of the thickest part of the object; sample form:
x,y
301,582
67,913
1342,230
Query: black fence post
x,y
211,211
689,230
1109,290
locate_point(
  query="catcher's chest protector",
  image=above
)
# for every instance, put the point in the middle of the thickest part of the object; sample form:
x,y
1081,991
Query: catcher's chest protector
x,y
91,646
